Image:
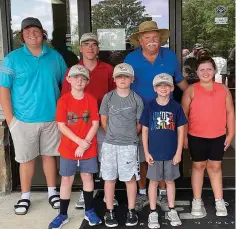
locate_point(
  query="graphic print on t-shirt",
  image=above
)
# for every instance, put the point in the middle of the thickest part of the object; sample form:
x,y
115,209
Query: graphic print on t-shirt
x,y
73,118
162,120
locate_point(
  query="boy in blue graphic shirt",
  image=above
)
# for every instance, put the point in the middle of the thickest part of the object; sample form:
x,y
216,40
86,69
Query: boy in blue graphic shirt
x,y
163,123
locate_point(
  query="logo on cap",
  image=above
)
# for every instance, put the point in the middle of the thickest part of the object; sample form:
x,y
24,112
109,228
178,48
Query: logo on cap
x,y
123,68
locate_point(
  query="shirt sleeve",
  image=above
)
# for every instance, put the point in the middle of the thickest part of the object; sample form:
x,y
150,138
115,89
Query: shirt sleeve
x,y
144,120
61,112
139,108
178,76
66,87
104,106
94,109
7,73
181,118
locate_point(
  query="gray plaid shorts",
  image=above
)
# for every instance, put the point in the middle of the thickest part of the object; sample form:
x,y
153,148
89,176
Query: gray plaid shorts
x,y
119,161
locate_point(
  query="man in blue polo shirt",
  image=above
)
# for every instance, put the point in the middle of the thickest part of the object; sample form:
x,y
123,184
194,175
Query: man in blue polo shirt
x,y
149,60
30,79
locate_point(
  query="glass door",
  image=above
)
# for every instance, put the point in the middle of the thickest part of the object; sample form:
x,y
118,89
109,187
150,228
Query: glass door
x,y
60,19
120,19
208,27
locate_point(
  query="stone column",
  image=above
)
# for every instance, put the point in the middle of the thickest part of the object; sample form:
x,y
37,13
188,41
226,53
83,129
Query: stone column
x,y
5,160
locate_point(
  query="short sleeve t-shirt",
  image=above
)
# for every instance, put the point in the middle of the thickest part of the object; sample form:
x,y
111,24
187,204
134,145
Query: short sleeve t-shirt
x,y
162,123
34,83
78,116
123,114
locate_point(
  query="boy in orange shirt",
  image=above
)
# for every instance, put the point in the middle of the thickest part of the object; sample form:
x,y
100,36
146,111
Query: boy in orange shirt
x,y
78,120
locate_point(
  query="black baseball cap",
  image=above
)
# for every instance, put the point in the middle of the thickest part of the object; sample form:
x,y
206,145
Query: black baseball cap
x,y
31,21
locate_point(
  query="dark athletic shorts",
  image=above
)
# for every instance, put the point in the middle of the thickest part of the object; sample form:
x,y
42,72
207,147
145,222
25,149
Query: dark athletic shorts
x,y
203,149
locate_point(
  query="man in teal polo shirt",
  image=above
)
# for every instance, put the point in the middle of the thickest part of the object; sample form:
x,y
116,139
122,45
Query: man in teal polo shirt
x,y
148,60
30,79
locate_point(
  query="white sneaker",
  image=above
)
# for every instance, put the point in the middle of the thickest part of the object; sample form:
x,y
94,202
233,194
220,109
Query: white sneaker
x,y
153,220
173,216
221,209
80,203
115,202
197,205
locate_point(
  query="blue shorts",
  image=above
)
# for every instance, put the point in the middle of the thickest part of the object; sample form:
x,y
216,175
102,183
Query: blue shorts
x,y
69,167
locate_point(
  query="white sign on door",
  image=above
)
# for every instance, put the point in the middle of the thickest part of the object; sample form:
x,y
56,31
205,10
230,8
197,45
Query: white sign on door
x,y
221,20
111,39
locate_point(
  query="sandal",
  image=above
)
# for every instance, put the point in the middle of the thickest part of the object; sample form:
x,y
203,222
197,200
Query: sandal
x,y
53,202
26,206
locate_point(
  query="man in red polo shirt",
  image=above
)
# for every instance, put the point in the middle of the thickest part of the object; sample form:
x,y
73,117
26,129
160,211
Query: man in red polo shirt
x,y
101,82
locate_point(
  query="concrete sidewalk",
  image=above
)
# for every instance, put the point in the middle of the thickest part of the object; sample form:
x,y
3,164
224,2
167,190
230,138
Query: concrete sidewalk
x,y
39,215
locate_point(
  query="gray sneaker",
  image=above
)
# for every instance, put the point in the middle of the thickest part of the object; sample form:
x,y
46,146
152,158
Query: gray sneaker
x,y
221,209
197,205
153,220
173,216
141,202
80,203
115,202
164,203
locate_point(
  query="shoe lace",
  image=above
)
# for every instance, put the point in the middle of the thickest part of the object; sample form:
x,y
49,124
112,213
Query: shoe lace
x,y
197,203
154,217
173,215
111,214
221,204
130,214
58,218
81,196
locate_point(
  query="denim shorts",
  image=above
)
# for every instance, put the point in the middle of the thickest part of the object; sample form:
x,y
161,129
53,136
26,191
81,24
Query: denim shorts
x,y
69,167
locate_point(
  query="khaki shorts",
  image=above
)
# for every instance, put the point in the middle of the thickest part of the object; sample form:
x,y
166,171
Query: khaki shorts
x,y
33,139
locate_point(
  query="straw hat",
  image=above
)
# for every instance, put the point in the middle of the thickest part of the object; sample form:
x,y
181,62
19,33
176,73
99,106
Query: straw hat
x,y
148,26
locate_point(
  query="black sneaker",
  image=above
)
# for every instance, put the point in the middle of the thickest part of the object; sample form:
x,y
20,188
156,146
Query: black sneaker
x,y
110,219
132,218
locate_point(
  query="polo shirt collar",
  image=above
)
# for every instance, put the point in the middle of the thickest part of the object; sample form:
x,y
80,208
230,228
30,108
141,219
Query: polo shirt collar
x,y
159,56
99,64
45,50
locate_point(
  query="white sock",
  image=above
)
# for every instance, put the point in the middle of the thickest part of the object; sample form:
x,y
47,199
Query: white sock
x,y
25,195
162,192
143,191
218,199
52,191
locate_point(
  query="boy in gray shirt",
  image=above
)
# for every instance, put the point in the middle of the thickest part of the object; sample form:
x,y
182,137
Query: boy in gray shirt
x,y
120,113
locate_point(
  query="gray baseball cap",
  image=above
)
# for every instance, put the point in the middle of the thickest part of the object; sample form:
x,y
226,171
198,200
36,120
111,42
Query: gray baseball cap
x,y
78,69
163,78
31,21
88,36
123,69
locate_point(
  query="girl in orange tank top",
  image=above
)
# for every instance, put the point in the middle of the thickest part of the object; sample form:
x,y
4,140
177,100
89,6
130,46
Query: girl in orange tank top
x,y
209,108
